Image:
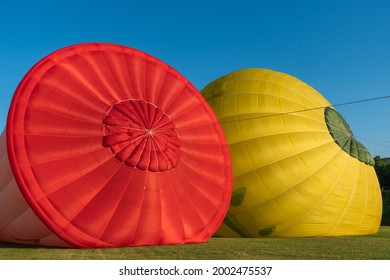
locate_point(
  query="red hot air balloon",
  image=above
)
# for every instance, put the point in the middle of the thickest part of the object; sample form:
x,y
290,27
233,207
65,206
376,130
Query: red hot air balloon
x,y
107,146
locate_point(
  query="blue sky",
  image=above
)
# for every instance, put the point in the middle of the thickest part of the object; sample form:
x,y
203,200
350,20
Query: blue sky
x,y
339,47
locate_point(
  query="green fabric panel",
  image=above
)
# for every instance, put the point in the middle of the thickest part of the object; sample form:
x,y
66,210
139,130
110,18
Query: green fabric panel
x,y
235,225
343,136
267,231
238,197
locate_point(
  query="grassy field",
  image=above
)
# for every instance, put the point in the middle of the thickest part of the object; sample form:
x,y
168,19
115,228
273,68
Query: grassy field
x,y
369,247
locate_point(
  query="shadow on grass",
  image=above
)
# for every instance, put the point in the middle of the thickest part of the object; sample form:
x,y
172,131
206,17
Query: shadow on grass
x,y
25,246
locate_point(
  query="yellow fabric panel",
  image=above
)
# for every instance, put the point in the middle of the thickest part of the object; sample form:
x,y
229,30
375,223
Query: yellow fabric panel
x,y
290,176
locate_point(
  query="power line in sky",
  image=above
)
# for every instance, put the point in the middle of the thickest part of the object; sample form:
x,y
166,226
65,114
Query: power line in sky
x,y
382,143
312,109
362,101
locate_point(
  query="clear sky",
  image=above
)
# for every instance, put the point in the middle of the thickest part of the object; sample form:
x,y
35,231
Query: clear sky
x,y
339,47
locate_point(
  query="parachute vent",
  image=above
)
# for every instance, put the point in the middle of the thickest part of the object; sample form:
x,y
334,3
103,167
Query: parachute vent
x,y
343,136
141,135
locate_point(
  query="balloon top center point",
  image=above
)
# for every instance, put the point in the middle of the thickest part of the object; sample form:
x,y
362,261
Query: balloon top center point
x,y
141,135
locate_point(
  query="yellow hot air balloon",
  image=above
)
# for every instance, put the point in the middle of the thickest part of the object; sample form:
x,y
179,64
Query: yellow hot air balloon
x,y
297,168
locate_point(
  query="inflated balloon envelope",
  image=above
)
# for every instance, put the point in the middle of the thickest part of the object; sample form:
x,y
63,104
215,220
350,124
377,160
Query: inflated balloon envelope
x,y
298,170
107,146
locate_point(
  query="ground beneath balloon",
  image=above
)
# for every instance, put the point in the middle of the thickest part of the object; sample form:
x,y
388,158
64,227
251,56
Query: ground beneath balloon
x,y
369,247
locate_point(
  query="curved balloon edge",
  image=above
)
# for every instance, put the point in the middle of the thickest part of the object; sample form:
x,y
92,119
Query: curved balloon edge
x,y
17,169
234,225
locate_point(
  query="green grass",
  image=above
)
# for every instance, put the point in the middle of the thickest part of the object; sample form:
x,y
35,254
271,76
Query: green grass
x,y
368,247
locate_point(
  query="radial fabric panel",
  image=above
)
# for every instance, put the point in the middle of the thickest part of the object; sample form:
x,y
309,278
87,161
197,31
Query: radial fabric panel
x,y
297,168
112,147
